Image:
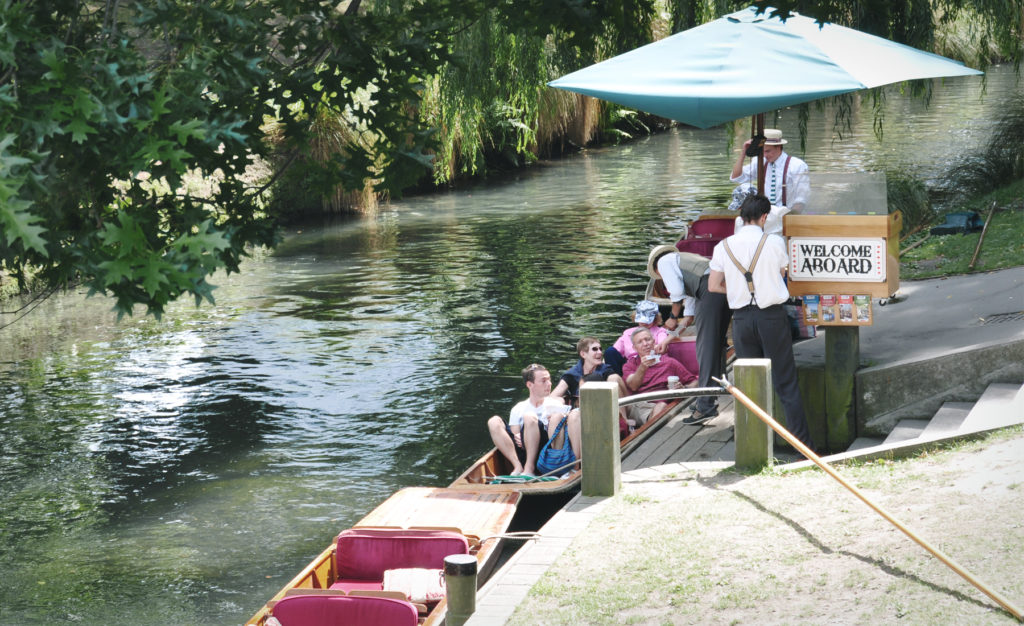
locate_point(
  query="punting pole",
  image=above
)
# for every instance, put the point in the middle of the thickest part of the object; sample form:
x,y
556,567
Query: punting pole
x,y
807,452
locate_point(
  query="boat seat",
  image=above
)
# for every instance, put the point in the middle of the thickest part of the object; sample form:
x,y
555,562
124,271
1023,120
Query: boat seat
x,y
712,228
363,555
327,609
686,353
705,233
703,247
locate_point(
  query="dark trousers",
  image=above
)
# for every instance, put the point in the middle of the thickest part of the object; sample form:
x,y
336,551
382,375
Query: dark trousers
x,y
765,333
712,318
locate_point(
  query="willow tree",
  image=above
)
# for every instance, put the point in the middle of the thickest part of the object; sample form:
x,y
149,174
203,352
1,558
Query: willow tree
x,y
129,128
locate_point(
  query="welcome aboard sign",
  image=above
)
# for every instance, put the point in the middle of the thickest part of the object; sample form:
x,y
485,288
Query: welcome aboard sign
x,y
842,259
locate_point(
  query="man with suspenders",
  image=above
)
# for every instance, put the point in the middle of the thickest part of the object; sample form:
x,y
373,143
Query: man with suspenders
x,y
786,179
749,268
685,276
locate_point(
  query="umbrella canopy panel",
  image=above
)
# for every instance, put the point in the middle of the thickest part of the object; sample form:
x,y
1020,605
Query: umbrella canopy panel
x,y
743,64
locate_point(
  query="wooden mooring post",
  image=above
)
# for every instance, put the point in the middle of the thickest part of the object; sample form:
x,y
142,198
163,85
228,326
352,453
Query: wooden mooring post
x,y
602,463
754,440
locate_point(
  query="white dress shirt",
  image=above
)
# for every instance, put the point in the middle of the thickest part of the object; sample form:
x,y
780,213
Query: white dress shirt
x,y
797,183
769,288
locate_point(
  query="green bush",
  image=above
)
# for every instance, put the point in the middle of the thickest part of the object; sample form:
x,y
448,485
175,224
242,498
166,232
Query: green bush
x,y
909,195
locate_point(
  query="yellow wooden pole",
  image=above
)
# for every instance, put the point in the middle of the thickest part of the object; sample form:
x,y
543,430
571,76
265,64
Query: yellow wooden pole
x,y
754,444
599,414
807,452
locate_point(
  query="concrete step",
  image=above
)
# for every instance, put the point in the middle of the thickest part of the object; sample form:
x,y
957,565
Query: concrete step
x,y
906,429
947,420
864,442
997,407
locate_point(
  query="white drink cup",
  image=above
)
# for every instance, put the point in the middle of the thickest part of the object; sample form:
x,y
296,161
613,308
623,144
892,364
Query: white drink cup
x,y
673,382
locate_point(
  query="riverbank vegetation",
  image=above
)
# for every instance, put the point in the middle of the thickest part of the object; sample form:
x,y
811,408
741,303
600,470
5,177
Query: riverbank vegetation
x,y
111,110
989,183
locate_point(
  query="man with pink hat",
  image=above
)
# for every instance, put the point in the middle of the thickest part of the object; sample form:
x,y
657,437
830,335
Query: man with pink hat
x,y
787,179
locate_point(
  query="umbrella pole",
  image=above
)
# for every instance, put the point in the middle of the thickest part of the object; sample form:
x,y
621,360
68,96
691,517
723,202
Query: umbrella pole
x,y
757,125
807,452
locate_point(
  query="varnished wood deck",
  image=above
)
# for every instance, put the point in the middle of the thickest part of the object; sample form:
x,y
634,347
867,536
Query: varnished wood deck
x,y
676,442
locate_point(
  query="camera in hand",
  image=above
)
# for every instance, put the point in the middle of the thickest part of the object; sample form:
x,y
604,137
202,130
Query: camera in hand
x,y
756,146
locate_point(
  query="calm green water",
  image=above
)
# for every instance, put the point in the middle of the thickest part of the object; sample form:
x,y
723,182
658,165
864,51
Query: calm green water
x,y
180,472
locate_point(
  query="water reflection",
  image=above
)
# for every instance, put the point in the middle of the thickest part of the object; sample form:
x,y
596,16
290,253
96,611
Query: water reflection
x,y
183,470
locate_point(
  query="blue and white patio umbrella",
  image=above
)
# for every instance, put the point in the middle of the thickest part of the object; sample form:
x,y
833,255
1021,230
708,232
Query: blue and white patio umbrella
x,y
745,64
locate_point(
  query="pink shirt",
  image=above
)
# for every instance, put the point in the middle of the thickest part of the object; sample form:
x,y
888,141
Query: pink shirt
x,y
624,344
656,376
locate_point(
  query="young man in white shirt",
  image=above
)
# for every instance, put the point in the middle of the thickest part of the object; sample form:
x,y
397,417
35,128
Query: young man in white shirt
x,y
531,421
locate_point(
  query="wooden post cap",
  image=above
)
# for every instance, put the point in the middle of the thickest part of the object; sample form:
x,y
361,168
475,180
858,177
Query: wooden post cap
x,y
460,565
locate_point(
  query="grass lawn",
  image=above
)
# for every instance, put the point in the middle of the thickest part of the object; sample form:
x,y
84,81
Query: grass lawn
x,y
945,255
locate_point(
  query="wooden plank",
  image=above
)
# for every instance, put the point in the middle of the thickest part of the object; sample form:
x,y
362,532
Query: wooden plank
x,y
688,451
657,450
875,290
709,451
726,453
474,513
841,225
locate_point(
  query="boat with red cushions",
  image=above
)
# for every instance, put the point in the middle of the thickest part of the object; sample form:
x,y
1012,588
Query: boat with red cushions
x,y
702,235
387,568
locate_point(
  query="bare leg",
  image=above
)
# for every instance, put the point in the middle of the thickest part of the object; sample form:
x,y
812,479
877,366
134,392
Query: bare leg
x,y
623,392
531,441
575,429
661,408
623,389
504,443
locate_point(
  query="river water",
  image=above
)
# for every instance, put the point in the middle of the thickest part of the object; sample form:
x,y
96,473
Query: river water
x,y
181,471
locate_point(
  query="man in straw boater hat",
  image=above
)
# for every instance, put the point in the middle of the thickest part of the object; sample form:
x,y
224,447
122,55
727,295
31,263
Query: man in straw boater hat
x,y
685,276
787,179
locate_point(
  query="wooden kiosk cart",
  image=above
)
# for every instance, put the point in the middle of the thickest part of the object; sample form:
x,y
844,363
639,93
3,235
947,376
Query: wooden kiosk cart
x,y
838,263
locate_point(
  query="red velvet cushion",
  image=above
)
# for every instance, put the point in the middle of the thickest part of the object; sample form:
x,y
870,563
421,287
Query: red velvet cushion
x,y
703,247
715,228
686,353
335,610
364,554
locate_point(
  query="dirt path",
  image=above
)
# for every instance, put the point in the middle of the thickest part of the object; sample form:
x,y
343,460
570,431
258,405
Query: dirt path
x,y
789,548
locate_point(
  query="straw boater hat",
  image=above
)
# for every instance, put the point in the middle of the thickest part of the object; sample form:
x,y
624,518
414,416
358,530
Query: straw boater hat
x,y
773,137
656,253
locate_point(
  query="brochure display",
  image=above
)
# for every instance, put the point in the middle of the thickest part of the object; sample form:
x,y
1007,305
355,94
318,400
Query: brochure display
x,y
838,263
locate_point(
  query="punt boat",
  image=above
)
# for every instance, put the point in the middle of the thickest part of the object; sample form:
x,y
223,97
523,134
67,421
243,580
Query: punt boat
x,y
414,528
487,474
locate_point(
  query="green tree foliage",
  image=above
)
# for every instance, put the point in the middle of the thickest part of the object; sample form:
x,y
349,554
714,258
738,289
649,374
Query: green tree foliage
x,y
111,112
130,129
998,23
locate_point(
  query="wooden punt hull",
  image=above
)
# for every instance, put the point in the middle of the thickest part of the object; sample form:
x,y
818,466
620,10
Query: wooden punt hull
x,y
481,517
492,464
